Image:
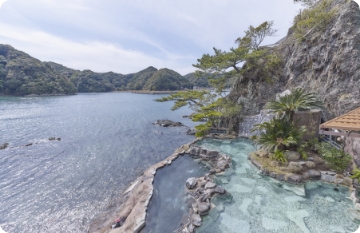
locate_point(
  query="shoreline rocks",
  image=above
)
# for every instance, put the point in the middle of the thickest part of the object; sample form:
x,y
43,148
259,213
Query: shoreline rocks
x,y
168,123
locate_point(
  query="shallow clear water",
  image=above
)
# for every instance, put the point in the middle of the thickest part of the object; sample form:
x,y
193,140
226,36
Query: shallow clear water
x,y
166,207
262,204
107,140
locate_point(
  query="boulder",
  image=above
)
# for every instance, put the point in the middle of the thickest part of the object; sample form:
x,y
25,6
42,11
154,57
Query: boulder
x,y
295,179
309,164
280,177
212,153
221,165
347,181
314,175
203,208
195,151
292,155
318,160
196,220
294,167
219,189
191,132
191,183
210,185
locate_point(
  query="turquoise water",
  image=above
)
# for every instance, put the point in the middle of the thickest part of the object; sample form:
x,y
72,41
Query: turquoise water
x,y
261,204
107,140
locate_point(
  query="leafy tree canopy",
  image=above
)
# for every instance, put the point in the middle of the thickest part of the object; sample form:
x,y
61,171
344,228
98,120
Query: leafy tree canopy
x,y
224,65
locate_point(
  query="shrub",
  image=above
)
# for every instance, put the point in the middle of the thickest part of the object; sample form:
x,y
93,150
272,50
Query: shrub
x,y
337,159
279,156
315,18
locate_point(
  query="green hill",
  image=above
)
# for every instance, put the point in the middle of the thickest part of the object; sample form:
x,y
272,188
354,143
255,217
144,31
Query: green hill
x,y
166,80
21,74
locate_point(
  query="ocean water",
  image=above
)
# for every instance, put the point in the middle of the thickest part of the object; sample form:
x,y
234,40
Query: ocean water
x,y
107,140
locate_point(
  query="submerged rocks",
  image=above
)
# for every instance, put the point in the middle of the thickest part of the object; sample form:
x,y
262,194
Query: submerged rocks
x,y
168,123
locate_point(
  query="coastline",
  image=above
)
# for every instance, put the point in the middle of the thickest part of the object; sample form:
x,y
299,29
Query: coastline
x,y
134,201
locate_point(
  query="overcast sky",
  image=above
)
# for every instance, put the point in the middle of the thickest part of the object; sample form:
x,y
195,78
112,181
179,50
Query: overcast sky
x,y
128,36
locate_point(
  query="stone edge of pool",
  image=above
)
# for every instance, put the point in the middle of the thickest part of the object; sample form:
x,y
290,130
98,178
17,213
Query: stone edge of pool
x,y
135,199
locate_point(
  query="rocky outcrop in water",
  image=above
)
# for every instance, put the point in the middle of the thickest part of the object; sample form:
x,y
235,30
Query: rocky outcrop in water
x,y
168,123
326,63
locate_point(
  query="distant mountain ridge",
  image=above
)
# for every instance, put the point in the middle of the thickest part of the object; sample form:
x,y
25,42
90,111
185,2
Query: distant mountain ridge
x,y
21,74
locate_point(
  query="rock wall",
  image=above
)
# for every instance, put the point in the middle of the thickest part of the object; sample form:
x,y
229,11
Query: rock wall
x,y
327,63
352,147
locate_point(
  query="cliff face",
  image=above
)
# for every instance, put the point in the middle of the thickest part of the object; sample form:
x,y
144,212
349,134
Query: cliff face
x,y
325,62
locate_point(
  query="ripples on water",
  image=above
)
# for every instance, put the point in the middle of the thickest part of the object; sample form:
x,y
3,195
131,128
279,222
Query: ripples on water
x,y
107,140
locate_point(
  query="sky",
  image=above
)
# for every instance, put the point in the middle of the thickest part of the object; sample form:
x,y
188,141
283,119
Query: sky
x,y
126,36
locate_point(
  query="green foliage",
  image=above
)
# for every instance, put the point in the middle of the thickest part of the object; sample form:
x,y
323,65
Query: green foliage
x,y
301,149
278,134
278,155
356,174
223,65
254,36
208,107
195,98
314,18
337,159
286,106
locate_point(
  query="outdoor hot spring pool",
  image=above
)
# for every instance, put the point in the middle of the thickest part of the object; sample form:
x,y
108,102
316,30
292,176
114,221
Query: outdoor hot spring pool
x,y
257,203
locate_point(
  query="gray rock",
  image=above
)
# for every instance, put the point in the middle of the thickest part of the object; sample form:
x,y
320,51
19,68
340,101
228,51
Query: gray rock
x,y
295,179
294,167
309,164
191,132
221,165
210,185
219,189
292,155
168,123
191,182
314,175
203,208
280,177
212,153
195,151
196,220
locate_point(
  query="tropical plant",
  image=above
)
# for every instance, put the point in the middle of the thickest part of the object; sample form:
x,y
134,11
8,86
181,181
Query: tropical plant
x,y
356,174
279,156
278,134
286,105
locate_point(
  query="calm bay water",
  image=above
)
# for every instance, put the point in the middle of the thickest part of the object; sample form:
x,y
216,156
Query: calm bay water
x,y
107,140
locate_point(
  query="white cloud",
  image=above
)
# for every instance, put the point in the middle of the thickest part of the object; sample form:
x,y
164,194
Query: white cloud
x,y
127,36
1,2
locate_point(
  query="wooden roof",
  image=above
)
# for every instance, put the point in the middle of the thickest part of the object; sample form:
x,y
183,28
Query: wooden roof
x,y
348,121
